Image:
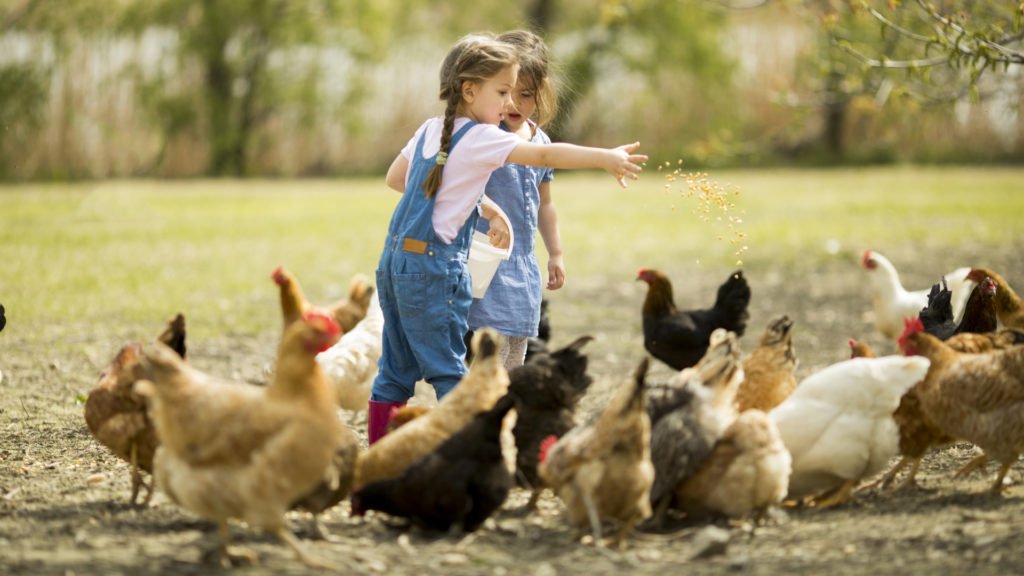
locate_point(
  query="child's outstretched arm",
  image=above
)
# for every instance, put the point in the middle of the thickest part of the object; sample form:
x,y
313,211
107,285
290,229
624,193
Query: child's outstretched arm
x,y
621,162
547,223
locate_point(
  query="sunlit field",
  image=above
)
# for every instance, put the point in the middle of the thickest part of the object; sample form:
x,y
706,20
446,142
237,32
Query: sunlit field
x,y
132,251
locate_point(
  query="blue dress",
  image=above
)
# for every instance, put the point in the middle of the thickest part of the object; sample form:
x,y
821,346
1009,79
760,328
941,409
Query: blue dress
x,y
511,304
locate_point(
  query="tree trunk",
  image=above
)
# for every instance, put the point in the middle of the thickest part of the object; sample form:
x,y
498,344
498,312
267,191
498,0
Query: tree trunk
x,y
218,78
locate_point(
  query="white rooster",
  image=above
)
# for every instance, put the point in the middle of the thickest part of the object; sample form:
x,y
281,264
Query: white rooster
x,y
892,303
838,425
351,364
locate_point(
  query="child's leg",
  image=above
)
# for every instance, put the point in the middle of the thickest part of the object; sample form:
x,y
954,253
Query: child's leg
x,y
398,372
436,335
514,351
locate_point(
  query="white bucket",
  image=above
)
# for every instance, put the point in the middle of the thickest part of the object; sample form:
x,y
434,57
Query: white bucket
x,y
484,258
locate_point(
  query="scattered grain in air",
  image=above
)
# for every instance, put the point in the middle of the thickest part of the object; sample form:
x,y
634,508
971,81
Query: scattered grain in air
x,y
714,203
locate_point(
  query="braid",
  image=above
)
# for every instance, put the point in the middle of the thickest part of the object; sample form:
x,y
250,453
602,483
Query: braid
x,y
474,58
433,182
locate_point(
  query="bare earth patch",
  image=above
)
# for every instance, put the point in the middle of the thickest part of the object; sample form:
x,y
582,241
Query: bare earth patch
x,y
63,497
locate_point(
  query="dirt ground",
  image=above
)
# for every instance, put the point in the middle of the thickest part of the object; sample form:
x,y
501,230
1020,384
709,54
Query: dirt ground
x,y
63,497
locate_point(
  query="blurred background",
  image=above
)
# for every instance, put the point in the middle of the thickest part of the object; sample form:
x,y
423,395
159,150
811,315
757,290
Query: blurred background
x,y
298,88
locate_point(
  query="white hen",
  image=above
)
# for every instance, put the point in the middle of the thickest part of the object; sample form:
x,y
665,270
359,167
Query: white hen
x,y
838,425
892,303
351,365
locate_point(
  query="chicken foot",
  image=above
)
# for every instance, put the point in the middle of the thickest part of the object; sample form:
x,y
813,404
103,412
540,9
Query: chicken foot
x,y
292,542
889,476
979,462
228,556
138,482
317,531
997,487
595,520
619,541
911,480
838,496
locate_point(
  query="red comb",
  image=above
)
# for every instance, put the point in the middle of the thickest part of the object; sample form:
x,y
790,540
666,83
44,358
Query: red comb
x,y
278,275
910,326
546,445
865,258
322,321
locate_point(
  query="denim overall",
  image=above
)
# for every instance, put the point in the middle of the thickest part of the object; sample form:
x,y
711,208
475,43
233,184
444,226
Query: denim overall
x,y
425,293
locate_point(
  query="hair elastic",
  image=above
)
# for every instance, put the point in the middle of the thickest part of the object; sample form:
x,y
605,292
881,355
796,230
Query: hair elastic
x,y
442,157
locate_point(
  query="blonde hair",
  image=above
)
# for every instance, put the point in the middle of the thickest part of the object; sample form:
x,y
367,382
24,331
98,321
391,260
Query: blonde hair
x,y
474,58
534,66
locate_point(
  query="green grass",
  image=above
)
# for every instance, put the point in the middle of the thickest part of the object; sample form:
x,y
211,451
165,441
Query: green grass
x,y
134,252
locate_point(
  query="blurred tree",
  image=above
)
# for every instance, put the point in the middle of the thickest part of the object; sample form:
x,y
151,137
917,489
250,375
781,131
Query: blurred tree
x,y
953,42
232,43
668,54
879,54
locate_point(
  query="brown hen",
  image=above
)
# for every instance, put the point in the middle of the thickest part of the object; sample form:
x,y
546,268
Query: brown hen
x,y
236,451
769,371
747,472
602,469
975,397
117,416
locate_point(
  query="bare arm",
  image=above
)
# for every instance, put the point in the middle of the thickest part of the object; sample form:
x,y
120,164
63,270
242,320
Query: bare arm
x,y
547,220
498,233
396,173
620,161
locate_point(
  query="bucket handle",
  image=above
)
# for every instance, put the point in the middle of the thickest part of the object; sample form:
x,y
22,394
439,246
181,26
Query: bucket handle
x,y
508,223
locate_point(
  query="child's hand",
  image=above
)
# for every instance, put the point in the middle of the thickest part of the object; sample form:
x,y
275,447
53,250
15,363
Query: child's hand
x,y
498,233
624,163
556,272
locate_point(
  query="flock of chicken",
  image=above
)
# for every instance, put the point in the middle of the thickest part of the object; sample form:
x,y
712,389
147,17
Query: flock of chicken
x,y
726,435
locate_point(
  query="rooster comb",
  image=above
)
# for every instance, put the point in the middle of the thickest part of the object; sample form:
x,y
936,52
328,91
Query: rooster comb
x,y
279,276
545,446
322,322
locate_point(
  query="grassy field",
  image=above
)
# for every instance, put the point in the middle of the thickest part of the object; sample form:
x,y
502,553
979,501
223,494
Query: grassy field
x,y
127,252
86,267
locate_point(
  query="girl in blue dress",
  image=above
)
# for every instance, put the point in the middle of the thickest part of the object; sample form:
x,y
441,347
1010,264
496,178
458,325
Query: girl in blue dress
x,y
511,304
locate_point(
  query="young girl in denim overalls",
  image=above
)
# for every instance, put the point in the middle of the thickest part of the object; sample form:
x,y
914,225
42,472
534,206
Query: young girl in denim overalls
x,y
422,277
512,302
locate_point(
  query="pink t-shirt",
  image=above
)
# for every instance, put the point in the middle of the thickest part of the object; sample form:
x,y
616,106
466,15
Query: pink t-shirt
x,y
482,150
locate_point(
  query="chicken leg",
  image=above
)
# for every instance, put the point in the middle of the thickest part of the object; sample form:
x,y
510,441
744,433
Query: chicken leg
x,y
910,481
997,487
227,555
889,476
979,462
838,496
595,520
292,542
137,480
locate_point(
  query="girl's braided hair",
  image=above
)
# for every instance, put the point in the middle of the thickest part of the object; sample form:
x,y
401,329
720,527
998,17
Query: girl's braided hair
x,y
474,58
534,67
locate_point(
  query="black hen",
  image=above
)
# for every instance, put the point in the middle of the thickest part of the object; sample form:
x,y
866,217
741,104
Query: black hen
x,y
546,389
937,317
3,318
539,343
679,338
979,312
459,484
